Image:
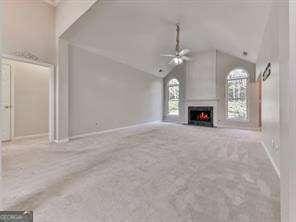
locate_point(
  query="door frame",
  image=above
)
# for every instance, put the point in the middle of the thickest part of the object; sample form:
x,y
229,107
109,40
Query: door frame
x,y
260,102
11,101
51,130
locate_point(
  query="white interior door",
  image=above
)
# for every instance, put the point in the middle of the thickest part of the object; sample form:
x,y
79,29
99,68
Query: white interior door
x,y
6,102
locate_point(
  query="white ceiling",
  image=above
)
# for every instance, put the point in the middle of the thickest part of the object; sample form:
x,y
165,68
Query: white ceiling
x,y
136,32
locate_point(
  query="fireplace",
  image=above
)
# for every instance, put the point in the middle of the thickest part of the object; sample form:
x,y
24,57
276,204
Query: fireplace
x,y
200,116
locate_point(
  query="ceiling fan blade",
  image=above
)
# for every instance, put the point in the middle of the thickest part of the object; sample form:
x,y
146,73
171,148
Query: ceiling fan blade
x,y
186,58
184,52
168,55
172,62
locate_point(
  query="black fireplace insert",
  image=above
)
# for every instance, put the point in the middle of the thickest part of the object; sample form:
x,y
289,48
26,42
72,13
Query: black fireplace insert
x,y
200,116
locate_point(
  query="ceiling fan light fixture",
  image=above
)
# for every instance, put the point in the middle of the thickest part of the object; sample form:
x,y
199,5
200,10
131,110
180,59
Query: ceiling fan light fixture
x,y
178,61
180,54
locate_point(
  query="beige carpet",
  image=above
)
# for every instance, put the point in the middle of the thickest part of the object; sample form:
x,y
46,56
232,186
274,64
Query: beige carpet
x,y
155,172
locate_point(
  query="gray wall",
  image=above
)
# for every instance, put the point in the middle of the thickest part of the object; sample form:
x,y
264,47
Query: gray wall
x,y
226,63
28,25
270,51
201,77
1,205
202,83
67,12
179,72
105,94
30,98
287,52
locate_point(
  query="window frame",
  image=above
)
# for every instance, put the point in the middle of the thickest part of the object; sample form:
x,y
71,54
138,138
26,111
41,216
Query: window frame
x,y
168,96
247,95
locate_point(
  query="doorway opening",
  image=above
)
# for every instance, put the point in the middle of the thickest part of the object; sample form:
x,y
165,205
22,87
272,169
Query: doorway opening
x,y
27,99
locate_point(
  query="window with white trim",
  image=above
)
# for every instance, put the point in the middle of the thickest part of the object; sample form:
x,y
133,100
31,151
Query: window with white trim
x,y
173,97
237,94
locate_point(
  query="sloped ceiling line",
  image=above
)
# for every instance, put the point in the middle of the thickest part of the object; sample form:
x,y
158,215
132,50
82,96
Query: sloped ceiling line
x,y
137,34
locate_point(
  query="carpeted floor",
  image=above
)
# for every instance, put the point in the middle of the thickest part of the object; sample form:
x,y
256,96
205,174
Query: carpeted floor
x,y
155,172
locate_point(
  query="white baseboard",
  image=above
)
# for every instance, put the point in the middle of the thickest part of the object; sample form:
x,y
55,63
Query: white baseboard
x,y
34,136
66,140
239,127
110,130
271,159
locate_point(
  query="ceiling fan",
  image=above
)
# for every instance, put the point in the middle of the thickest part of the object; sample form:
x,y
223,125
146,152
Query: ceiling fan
x,y
180,54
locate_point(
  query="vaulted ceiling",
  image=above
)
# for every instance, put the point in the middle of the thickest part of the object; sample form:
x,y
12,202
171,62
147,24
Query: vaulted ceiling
x,y
137,32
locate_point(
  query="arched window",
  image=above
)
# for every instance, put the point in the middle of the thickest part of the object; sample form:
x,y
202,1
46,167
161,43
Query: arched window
x,y
173,97
237,98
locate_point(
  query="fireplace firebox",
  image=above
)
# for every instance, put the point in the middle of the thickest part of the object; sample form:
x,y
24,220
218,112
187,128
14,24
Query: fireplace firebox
x,y
200,116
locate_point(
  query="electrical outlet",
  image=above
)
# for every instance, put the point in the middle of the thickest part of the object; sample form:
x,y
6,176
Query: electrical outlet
x,y
272,144
277,148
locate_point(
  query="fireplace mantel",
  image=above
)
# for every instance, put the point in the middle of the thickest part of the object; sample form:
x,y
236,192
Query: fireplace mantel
x,y
205,99
203,102
196,114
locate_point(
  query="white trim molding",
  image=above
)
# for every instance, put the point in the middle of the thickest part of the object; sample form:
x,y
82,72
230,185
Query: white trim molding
x,y
61,141
51,117
199,100
62,92
34,136
238,127
203,102
277,170
288,115
111,130
52,2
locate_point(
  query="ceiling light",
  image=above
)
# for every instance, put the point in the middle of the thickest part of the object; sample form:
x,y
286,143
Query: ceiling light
x,y
178,61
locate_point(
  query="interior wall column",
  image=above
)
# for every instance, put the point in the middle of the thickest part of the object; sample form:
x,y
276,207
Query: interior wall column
x,y
292,110
1,207
62,92
288,123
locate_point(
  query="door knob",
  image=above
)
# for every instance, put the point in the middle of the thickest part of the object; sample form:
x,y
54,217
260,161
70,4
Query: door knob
x,y
7,107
